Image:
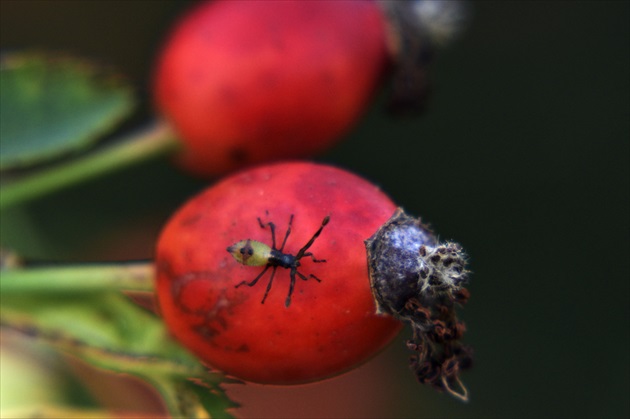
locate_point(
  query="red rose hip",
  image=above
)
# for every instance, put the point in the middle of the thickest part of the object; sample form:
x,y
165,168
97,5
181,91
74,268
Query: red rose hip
x,y
245,82
318,318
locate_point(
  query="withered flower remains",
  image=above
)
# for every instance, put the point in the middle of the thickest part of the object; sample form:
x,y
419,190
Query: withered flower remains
x,y
419,280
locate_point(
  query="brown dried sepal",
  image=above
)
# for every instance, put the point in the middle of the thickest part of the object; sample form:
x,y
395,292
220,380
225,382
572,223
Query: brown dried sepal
x,y
416,30
440,355
420,281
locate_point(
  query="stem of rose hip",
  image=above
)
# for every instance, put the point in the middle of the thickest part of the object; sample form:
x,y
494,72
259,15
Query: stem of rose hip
x,y
136,276
155,140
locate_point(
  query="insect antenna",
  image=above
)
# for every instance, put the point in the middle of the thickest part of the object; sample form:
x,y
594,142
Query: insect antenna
x,y
303,250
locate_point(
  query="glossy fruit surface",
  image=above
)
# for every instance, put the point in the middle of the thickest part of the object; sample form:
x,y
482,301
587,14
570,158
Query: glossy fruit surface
x,y
329,327
245,82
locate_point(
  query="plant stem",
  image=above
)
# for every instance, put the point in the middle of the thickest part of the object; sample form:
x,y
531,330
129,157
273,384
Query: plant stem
x,y
136,276
155,140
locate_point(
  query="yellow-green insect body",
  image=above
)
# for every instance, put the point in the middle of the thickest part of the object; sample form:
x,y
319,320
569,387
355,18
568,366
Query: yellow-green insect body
x,y
250,252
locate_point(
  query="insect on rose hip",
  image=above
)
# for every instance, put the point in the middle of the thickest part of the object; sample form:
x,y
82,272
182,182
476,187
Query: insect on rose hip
x,y
329,327
254,253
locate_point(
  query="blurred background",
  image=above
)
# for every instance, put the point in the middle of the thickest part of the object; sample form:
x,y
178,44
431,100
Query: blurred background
x,y
522,156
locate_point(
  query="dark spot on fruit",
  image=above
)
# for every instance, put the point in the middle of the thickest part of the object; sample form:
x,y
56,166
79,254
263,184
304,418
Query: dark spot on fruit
x,y
238,155
206,331
190,221
242,348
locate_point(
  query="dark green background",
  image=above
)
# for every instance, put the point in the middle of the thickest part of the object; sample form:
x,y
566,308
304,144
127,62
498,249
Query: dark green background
x,y
522,157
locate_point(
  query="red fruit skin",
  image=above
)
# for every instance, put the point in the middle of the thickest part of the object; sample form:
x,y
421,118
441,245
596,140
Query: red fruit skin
x,y
330,326
245,82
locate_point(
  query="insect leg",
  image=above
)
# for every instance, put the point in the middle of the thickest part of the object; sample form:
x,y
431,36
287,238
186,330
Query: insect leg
x,y
292,274
272,227
287,302
313,257
252,283
312,240
273,272
286,236
306,278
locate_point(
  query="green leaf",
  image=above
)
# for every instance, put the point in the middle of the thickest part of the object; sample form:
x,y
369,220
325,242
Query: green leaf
x,y
109,331
217,406
52,411
51,105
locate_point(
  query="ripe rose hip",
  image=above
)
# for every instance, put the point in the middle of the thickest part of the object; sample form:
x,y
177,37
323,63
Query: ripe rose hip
x,y
245,82
326,327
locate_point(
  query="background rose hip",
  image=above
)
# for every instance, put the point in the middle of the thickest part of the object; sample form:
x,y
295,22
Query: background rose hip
x,y
246,82
330,325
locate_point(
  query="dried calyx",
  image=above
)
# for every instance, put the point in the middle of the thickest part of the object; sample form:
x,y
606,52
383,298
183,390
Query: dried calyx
x,y
415,31
420,281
